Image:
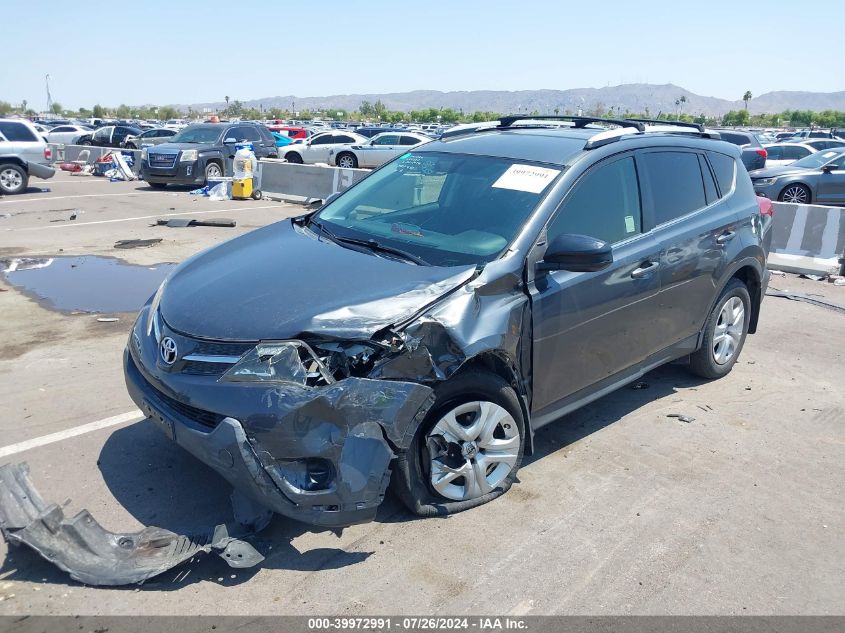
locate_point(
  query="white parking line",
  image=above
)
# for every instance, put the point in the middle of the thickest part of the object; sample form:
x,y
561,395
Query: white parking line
x,y
130,416
142,217
82,195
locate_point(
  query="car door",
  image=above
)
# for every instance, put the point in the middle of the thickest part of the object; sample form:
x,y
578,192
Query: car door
x,y
381,149
316,149
831,184
119,135
102,136
698,231
259,146
589,326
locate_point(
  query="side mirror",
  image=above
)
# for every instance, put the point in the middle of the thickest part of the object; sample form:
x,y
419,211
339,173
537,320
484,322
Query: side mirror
x,y
331,197
577,253
828,168
229,141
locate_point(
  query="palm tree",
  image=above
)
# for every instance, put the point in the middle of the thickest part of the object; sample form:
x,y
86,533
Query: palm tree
x,y
227,104
746,97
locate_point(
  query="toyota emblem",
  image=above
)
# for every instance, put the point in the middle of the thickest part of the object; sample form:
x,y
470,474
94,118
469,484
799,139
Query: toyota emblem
x,y
167,350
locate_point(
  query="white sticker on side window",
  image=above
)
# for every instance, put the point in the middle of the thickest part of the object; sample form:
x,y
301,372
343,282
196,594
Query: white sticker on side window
x,y
630,227
526,178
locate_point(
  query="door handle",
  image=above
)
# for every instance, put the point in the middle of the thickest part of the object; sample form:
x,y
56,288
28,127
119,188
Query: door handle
x,y
725,237
645,270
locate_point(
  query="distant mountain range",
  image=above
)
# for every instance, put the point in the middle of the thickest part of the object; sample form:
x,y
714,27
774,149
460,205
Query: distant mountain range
x,y
633,97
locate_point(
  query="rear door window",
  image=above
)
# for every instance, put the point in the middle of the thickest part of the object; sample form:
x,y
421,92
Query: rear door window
x,y
605,204
675,182
795,152
15,131
408,140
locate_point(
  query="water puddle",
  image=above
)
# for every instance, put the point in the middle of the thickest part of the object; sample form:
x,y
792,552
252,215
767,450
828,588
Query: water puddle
x,y
84,284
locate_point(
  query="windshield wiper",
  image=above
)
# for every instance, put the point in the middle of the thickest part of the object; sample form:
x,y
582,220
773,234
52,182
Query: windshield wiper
x,y
324,230
383,248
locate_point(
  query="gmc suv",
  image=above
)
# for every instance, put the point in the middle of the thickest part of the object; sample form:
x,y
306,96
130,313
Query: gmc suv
x,y
423,324
202,151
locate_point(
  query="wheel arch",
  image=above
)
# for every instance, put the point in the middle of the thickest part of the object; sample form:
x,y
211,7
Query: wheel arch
x,y
14,160
750,272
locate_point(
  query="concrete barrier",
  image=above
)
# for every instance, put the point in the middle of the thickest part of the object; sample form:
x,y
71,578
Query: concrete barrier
x,y
807,238
71,153
309,182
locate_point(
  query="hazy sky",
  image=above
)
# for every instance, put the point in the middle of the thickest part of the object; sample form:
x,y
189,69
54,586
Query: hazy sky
x,y
197,51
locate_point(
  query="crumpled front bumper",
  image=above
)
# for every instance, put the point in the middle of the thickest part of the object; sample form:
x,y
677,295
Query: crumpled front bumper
x,y
95,556
269,431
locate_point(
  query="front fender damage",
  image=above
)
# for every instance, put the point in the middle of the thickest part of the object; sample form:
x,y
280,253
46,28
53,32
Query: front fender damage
x,y
95,556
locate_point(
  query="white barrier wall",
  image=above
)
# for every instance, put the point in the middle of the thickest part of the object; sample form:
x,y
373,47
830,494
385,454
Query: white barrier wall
x,y
306,181
807,238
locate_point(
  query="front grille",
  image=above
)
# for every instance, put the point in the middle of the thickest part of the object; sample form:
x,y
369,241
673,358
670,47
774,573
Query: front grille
x,y
217,348
162,160
170,405
201,368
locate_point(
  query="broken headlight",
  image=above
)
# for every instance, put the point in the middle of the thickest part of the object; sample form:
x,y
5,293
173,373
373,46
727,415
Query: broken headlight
x,y
279,361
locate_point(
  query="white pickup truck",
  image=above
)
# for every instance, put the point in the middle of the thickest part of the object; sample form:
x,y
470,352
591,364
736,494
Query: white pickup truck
x,y
23,153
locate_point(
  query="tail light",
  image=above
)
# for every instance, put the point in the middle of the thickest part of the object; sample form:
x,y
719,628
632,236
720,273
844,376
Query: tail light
x,y
762,152
766,206
48,153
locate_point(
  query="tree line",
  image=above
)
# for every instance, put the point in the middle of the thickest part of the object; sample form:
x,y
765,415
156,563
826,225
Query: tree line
x,y
379,112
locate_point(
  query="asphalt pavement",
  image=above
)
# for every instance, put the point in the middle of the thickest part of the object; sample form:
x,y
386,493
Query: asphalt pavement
x,y
622,510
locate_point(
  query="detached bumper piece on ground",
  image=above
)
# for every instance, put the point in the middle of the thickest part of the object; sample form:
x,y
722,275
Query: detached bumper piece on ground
x,y
95,556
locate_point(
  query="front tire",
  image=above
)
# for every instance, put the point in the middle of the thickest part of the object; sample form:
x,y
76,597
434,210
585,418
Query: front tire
x,y
468,449
131,146
13,178
293,157
796,194
724,333
213,170
157,185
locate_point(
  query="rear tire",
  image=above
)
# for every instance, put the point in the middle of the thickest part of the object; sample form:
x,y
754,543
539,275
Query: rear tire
x,y
13,178
345,160
157,185
131,146
495,458
724,333
85,142
293,157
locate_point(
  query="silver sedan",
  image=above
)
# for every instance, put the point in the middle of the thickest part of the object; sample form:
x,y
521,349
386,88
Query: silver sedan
x,y
378,150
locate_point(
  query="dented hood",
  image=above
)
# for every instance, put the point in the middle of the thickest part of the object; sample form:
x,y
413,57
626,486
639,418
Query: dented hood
x,y
281,281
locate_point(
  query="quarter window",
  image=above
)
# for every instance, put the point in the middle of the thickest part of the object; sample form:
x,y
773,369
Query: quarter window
x,y
724,167
408,140
605,204
676,184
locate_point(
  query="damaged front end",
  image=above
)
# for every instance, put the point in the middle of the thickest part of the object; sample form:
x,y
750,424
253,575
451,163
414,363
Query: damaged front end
x,y
291,425
95,556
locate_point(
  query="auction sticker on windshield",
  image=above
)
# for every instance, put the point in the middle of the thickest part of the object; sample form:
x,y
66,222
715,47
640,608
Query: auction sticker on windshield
x,y
526,178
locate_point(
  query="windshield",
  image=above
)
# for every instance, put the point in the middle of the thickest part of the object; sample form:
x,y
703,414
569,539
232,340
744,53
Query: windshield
x,y
444,209
200,134
814,161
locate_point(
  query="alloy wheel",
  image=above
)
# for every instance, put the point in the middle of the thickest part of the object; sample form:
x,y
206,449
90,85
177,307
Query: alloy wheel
x,y
10,179
796,195
728,330
346,162
472,450
213,171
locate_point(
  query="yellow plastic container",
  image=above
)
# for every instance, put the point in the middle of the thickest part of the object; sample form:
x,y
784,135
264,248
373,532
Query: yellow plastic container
x,y
242,188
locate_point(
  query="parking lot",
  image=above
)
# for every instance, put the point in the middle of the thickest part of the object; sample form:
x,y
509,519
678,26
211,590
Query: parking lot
x,y
621,510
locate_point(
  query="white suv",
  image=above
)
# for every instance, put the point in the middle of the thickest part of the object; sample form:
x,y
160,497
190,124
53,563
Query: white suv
x,y
23,153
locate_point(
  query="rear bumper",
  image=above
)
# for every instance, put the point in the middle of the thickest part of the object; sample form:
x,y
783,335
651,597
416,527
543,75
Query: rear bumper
x,y
270,433
40,171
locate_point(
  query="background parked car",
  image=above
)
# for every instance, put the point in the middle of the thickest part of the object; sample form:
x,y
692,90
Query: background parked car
x,y
780,154
808,134
824,143
817,178
108,136
156,136
66,134
377,151
23,153
319,147
753,153
290,131
282,140
370,131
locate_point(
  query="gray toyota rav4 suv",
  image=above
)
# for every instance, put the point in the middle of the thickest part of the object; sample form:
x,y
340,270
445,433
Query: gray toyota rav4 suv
x,y
421,326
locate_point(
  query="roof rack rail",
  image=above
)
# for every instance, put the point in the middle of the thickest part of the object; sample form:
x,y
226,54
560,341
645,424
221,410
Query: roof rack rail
x,y
697,126
579,121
